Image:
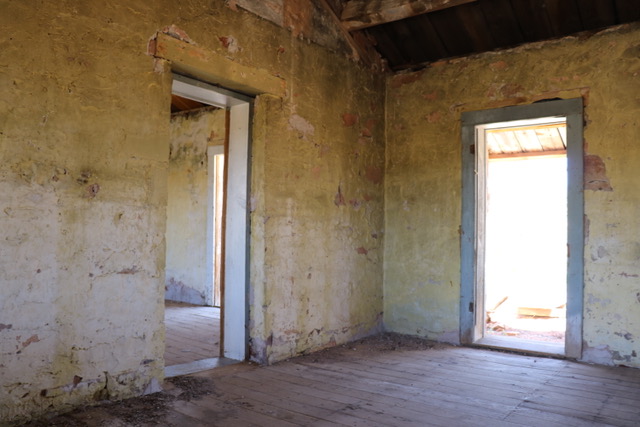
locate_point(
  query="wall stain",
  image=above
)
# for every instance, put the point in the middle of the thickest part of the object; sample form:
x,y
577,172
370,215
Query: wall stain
x,y
338,200
349,119
595,174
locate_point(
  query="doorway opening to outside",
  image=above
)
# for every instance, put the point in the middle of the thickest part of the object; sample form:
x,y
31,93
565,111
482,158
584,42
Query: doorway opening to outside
x,y
525,234
522,234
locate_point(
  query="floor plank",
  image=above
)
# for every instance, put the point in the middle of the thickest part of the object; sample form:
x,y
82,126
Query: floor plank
x,y
192,333
366,384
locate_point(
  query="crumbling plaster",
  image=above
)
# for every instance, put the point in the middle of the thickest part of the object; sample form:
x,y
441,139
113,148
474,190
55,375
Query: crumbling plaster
x,y
84,138
423,180
83,192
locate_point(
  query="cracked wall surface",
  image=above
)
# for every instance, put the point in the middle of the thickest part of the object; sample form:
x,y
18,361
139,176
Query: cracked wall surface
x,y
423,180
84,140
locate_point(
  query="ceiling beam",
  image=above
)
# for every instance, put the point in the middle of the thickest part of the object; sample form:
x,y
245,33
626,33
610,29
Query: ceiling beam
x,y
361,48
360,14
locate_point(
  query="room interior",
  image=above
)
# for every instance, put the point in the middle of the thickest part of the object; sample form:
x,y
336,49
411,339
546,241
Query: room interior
x,y
350,191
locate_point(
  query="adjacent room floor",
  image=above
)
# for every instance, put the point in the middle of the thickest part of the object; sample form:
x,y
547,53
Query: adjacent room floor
x,y
387,380
192,333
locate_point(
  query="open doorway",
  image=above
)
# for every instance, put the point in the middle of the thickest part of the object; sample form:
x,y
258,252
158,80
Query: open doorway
x,y
207,228
194,203
522,233
525,228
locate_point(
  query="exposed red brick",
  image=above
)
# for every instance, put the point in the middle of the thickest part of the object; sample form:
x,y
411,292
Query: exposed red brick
x,y
362,251
431,96
349,119
434,117
298,17
595,174
176,33
232,4
225,41
498,65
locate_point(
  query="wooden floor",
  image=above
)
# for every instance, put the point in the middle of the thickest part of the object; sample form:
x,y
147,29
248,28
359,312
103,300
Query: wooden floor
x,y
369,384
192,333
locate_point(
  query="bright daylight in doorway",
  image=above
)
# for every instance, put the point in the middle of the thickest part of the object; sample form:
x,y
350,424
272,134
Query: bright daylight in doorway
x,y
526,238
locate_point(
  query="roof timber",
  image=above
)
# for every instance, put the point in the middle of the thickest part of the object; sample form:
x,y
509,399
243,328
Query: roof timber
x,y
360,14
361,48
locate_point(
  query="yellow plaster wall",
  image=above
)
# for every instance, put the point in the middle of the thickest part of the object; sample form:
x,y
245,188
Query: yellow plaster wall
x,y
423,180
84,143
188,186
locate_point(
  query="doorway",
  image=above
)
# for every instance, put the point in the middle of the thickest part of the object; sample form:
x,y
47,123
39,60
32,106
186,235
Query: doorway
x,y
220,245
525,223
522,234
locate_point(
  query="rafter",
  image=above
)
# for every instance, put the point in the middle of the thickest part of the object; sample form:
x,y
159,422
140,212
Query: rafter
x,y
361,48
360,14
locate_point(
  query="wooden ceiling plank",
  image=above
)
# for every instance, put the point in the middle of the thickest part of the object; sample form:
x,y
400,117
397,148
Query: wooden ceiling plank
x,y
550,139
336,6
358,51
179,103
532,19
407,44
388,48
597,13
513,156
421,25
475,25
564,17
528,140
493,145
508,128
501,22
563,135
627,11
507,142
360,14
451,31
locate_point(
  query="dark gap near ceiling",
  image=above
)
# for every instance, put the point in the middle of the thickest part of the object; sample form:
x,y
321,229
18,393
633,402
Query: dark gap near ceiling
x,y
486,25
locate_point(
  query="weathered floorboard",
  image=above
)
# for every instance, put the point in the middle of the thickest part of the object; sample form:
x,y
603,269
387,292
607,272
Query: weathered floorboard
x,y
364,385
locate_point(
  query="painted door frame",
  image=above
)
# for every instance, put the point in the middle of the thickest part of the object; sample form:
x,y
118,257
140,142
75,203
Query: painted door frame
x,y
235,282
473,164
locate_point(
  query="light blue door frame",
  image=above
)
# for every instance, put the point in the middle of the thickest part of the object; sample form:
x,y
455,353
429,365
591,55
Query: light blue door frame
x,y
571,109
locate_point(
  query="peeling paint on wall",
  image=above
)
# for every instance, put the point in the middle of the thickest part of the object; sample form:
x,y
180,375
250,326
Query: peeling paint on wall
x,y
422,179
83,196
595,174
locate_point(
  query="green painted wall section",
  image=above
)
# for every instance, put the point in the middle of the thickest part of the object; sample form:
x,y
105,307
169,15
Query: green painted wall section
x,y
423,180
84,139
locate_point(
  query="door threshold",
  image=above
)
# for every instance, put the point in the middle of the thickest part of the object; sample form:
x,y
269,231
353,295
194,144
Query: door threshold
x,y
525,346
197,366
